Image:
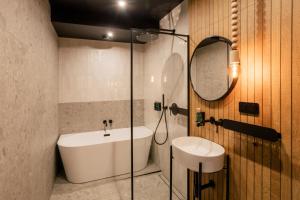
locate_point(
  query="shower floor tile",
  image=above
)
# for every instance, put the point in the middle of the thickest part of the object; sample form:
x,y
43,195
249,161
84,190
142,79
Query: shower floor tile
x,y
152,186
147,187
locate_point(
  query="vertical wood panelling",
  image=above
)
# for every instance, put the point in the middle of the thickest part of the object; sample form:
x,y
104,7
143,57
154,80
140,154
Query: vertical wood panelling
x,y
244,94
269,75
286,112
295,101
258,97
214,106
237,137
286,97
251,77
220,175
226,101
266,105
275,85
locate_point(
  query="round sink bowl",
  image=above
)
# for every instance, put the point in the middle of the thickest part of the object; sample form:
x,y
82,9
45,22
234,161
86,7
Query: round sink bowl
x,y
190,151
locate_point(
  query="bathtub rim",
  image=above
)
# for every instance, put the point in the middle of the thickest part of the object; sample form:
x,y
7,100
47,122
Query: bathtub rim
x,y
62,143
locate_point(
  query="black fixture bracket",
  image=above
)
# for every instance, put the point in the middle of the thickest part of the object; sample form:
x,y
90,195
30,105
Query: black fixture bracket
x,y
175,110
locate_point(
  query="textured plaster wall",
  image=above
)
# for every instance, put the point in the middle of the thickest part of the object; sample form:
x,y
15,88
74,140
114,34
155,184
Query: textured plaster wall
x,y
28,101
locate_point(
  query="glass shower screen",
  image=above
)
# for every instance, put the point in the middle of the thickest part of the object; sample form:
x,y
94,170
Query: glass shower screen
x,y
159,80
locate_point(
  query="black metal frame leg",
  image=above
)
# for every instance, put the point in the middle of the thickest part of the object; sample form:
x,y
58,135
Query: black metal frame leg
x,y
227,177
198,186
195,183
171,172
200,182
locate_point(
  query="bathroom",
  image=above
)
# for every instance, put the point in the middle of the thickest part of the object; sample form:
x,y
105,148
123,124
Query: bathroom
x,y
149,100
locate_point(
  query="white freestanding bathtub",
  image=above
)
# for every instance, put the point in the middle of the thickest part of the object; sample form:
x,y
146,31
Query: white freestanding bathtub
x,y
91,155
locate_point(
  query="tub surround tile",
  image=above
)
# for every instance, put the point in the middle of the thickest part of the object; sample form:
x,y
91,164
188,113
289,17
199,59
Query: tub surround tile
x,y
62,186
88,116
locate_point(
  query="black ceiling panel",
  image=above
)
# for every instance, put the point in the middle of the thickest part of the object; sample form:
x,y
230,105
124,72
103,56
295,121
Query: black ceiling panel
x,y
143,14
93,32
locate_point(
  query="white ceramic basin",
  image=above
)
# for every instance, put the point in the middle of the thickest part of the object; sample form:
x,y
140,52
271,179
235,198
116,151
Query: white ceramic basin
x,y
190,151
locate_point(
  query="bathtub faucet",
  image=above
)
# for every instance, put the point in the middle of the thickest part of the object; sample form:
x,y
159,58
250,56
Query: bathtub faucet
x,y
105,125
110,123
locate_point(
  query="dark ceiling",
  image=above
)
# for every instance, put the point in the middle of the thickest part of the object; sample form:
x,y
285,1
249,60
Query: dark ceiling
x,y
90,19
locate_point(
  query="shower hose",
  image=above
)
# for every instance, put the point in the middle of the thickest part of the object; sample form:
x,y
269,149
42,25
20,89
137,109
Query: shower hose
x,y
163,113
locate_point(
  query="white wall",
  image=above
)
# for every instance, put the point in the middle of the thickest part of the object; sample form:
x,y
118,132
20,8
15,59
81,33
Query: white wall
x,y
91,71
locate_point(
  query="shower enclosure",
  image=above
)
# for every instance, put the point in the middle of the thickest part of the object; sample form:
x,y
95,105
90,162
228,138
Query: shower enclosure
x,y
121,105
164,92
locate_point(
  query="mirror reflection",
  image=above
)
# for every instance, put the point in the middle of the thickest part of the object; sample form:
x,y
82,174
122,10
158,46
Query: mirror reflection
x,y
210,75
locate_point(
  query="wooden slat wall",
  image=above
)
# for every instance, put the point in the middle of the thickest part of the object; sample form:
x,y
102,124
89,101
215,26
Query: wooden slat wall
x,y
296,100
270,75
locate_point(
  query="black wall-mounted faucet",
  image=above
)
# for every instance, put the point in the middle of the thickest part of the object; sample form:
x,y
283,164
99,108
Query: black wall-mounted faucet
x,y
105,124
201,121
110,121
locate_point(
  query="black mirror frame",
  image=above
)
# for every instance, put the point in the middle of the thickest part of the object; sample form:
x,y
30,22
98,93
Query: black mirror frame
x,y
203,43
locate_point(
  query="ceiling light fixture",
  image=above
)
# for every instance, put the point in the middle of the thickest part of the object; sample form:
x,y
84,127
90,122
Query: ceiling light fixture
x,y
122,3
234,53
110,34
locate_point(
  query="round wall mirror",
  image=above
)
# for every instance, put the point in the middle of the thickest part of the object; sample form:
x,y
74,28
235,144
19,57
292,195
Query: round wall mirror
x,y
210,75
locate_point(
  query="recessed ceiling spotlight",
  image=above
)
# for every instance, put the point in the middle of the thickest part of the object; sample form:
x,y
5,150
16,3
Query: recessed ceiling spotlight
x,y
110,34
122,3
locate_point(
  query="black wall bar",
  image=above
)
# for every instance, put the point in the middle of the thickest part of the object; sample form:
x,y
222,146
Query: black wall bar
x,y
241,127
250,129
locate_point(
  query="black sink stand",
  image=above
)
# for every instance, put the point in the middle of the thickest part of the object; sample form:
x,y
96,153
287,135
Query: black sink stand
x,y
198,187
